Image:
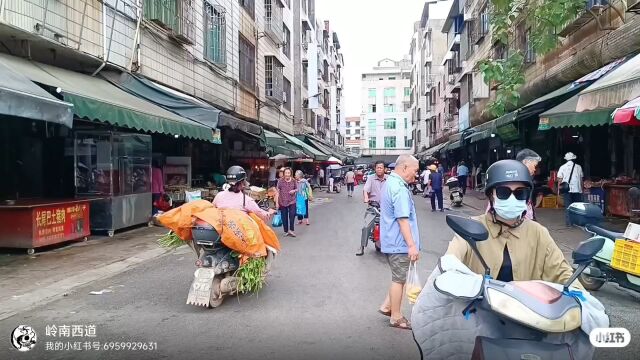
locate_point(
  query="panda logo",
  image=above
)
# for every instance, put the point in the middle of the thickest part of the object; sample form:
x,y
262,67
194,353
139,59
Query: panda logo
x,y
24,338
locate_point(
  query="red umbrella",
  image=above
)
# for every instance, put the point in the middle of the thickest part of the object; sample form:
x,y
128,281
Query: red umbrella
x,y
629,114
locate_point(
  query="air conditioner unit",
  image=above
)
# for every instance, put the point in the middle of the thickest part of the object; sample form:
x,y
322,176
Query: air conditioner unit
x,y
597,4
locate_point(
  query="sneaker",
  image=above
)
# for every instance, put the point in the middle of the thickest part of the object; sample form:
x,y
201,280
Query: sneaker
x,y
441,210
433,210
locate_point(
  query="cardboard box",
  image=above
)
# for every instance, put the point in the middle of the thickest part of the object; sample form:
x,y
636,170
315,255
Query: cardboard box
x,y
632,232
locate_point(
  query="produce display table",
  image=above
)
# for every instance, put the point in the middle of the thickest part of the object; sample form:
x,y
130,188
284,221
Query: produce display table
x,y
29,224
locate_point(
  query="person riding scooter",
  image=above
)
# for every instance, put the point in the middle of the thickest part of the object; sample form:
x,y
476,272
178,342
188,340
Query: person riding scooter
x,y
235,198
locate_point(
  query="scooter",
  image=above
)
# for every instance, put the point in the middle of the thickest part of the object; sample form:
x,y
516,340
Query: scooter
x,y
455,193
371,229
416,187
600,270
214,277
523,313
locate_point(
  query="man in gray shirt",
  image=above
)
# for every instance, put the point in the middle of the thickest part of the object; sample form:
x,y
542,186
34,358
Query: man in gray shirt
x,y
373,186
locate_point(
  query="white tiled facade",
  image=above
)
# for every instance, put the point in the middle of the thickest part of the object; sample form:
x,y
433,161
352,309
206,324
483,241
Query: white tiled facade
x,y
387,88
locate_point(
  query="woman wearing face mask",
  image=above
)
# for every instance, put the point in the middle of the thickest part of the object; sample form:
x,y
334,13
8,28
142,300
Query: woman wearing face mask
x,y
235,198
517,248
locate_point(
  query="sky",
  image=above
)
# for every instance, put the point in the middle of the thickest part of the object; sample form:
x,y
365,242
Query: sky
x,y
369,30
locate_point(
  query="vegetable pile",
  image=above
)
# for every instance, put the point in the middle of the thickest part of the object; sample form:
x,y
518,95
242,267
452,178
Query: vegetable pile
x,y
171,241
251,275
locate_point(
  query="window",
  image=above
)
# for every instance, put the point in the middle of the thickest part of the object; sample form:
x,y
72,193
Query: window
x,y
405,122
407,91
273,87
392,77
390,108
286,47
407,142
372,124
357,131
372,93
358,123
348,131
526,45
389,124
177,15
390,92
372,108
247,61
215,34
249,6
273,20
484,26
287,93
305,74
372,142
389,142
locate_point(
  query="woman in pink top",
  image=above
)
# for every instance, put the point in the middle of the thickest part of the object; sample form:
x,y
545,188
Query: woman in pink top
x,y
235,198
287,190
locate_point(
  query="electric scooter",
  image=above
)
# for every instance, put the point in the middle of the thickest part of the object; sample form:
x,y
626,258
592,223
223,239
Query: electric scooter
x,y
455,192
371,229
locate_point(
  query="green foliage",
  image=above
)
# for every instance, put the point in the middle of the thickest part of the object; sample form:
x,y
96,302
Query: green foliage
x,y
170,241
251,275
544,18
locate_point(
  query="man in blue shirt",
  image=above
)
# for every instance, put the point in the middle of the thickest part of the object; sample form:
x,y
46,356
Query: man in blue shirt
x,y
400,239
463,173
436,182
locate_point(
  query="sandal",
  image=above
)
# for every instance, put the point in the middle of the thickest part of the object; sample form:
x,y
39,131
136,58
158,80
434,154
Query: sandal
x,y
292,234
401,323
385,313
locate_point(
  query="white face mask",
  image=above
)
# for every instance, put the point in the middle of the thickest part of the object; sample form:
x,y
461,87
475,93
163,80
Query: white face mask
x,y
510,209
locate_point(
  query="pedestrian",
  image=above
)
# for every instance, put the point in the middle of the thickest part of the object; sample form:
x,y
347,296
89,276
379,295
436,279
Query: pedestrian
x,y
287,189
273,181
321,176
425,181
436,183
350,178
570,174
331,180
400,240
441,170
373,186
463,173
157,184
304,190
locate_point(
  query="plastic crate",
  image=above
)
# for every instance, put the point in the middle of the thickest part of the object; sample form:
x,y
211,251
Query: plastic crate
x,y
626,256
549,202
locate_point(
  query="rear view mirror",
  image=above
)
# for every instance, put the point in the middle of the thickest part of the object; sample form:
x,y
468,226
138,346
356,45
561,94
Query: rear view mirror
x,y
587,250
468,229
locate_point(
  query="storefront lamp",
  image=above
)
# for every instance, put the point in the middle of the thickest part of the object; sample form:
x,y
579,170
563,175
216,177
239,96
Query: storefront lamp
x,y
176,136
493,135
509,151
495,150
58,90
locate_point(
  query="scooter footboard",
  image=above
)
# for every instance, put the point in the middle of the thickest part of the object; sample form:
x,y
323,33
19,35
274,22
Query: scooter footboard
x,y
506,349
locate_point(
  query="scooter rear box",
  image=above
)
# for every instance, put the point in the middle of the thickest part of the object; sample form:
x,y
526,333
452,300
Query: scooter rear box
x,y
582,213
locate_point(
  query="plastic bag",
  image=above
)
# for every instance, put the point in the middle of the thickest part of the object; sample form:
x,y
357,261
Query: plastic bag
x,y
277,220
193,195
301,206
413,286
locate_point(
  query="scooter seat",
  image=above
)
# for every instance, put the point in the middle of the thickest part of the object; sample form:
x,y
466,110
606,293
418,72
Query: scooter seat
x,y
604,232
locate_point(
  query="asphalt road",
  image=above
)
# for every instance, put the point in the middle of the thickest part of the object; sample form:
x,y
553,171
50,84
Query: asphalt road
x,y
320,303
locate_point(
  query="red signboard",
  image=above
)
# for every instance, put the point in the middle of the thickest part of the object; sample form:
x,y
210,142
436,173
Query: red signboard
x,y
61,222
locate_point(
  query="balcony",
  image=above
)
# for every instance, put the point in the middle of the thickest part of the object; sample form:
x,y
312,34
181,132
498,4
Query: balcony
x,y
593,9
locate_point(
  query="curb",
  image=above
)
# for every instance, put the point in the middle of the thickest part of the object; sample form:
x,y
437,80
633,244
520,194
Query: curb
x,y
55,291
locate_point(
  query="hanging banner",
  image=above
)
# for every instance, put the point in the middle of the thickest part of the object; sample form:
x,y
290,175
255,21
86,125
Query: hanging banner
x,y
217,136
544,124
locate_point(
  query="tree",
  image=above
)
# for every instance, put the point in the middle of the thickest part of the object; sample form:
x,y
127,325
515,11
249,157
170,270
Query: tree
x,y
543,18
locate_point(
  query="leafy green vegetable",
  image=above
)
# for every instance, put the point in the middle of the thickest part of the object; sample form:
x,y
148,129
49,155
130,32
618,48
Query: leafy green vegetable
x,y
171,241
251,275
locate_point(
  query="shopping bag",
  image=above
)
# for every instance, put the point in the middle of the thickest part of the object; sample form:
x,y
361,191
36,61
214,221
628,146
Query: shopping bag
x,y
413,286
301,206
193,195
277,220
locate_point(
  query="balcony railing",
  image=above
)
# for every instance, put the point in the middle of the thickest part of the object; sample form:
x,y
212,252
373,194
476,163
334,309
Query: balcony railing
x,y
592,7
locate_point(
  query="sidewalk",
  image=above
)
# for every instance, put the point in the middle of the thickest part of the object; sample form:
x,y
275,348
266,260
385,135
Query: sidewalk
x,y
30,280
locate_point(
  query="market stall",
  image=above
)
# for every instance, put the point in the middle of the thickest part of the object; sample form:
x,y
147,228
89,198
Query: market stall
x,y
617,199
30,224
114,170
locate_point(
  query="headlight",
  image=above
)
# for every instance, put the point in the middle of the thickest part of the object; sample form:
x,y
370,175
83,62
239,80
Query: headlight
x,y
514,309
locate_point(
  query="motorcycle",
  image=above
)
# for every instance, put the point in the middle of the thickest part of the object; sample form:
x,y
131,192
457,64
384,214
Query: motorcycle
x,y
215,267
455,192
417,186
371,229
600,270
518,319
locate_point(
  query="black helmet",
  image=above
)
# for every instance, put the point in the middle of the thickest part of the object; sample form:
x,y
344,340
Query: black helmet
x,y
505,171
235,174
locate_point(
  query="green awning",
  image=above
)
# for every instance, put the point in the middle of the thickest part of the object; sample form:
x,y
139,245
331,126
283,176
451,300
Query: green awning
x,y
308,149
326,149
96,99
20,97
506,119
277,144
508,132
565,115
453,145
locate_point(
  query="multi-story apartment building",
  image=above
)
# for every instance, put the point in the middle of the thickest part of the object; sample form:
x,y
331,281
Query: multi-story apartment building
x,y
254,59
428,49
329,115
354,132
386,109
